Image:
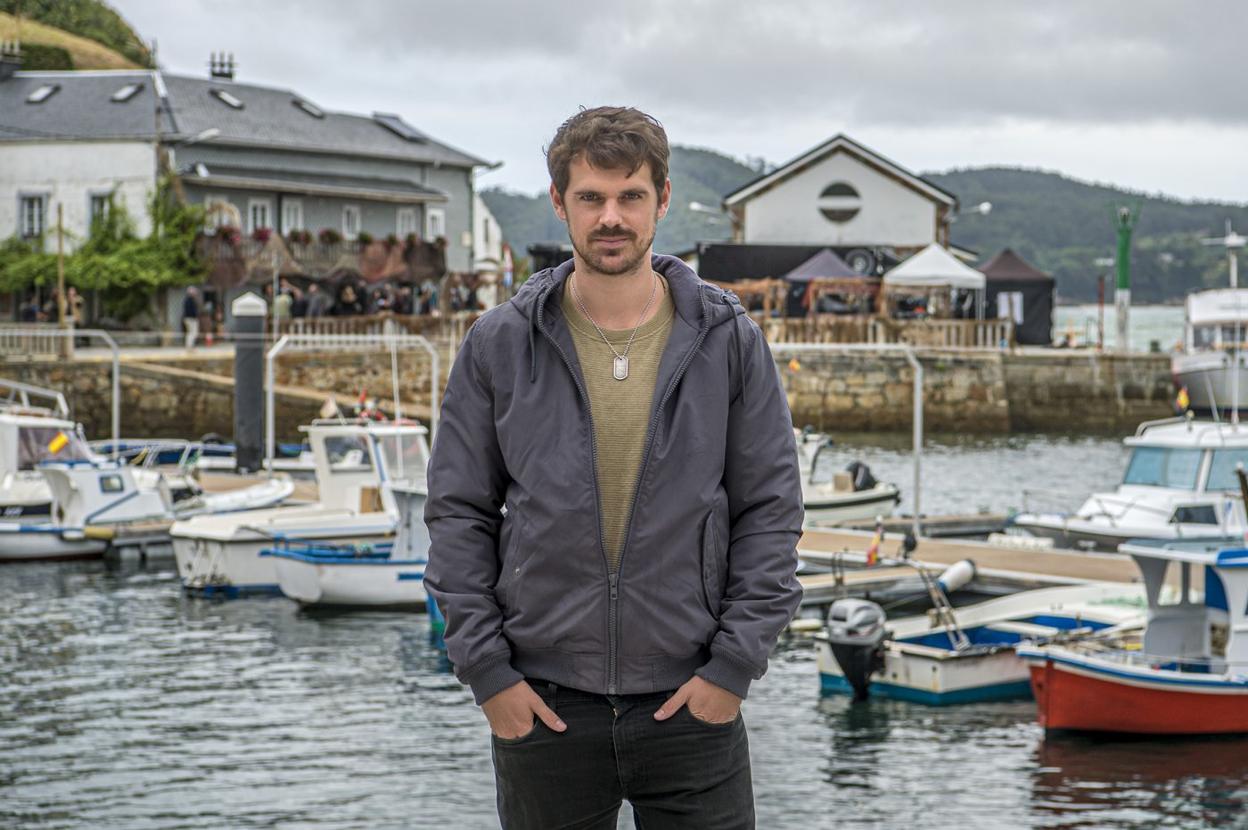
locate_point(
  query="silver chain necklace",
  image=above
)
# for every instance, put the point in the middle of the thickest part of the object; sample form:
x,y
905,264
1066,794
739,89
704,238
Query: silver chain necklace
x,y
619,367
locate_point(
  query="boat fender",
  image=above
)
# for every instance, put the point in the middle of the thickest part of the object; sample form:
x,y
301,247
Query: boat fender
x,y
863,480
856,634
957,576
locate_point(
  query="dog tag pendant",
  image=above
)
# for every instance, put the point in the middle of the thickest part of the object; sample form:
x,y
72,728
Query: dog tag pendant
x,y
620,370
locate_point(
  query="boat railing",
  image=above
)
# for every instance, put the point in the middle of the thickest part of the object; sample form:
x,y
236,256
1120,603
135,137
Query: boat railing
x,y
17,394
1125,650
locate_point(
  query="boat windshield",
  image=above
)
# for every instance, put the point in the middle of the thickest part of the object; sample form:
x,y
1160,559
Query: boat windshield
x,y
1163,467
404,455
347,453
38,444
1222,473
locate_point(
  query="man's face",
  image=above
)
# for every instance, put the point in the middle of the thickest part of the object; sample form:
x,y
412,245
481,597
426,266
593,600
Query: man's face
x,y
611,216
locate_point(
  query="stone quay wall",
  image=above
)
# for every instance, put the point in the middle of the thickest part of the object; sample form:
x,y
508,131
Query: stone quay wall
x,y
978,391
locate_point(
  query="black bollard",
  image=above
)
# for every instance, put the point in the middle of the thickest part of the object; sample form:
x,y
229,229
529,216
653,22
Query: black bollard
x,y
249,312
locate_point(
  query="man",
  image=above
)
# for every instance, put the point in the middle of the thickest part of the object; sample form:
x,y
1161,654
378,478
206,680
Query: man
x,y
190,316
630,418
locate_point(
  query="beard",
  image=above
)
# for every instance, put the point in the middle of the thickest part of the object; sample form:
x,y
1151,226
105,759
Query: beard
x,y
626,259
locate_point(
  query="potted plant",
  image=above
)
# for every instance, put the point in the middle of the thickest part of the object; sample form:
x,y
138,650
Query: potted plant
x,y
391,240
365,238
329,236
229,234
300,237
262,235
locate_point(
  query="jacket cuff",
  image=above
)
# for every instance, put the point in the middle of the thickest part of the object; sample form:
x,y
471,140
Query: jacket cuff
x,y
727,673
490,677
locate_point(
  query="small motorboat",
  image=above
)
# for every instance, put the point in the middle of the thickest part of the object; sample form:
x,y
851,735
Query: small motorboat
x,y
385,575
1179,484
1184,673
30,434
358,462
960,655
93,499
844,496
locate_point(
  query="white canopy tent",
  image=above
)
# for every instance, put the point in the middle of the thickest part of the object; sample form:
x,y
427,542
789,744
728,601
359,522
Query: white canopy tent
x,y
934,267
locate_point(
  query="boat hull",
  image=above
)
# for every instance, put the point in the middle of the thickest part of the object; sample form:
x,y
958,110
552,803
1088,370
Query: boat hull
x,y
1084,697
828,508
29,542
1209,378
343,584
935,680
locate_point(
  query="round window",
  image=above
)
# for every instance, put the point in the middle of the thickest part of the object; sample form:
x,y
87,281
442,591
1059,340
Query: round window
x,y
839,202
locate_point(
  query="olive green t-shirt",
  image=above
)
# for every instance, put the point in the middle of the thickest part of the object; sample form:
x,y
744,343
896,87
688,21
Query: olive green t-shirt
x,y
620,408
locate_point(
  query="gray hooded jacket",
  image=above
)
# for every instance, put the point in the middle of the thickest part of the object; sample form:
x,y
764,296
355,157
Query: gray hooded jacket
x,y
706,577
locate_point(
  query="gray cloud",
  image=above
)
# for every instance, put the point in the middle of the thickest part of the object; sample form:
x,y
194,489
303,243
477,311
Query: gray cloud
x,y
497,76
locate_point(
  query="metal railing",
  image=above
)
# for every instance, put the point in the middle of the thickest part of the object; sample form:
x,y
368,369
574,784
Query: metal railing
x,y
930,333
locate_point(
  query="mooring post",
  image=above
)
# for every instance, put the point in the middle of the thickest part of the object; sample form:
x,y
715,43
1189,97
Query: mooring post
x,y
249,312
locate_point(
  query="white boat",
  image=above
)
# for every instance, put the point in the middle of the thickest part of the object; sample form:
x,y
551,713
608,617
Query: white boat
x,y
1212,366
971,657
1184,673
28,437
845,496
94,499
1179,484
361,576
356,462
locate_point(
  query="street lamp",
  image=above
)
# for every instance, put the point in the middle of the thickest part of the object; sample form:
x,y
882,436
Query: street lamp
x,y
717,213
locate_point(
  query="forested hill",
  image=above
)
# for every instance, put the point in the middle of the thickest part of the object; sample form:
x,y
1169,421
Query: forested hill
x,y
72,34
697,176
1063,225
1060,224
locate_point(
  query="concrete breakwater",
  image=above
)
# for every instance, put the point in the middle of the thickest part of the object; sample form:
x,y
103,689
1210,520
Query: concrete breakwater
x,y
185,396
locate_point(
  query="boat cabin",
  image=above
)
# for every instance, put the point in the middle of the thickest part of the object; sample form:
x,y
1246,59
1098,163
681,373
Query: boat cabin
x,y
1216,320
354,459
1197,595
1184,454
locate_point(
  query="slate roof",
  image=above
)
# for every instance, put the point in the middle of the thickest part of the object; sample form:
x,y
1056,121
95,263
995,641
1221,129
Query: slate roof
x,y
271,118
1008,265
82,109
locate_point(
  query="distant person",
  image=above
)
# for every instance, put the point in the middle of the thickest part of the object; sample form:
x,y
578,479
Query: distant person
x,y
318,301
281,306
29,312
611,619
74,307
348,303
190,316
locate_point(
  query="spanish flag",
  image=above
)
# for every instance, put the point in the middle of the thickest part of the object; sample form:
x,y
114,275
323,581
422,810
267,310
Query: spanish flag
x,y
873,549
58,443
1183,401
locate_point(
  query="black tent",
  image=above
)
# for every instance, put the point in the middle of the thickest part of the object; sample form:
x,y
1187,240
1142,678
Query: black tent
x,y
1018,290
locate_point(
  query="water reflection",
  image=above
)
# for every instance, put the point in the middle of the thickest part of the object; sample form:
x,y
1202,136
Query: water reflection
x,y
1095,782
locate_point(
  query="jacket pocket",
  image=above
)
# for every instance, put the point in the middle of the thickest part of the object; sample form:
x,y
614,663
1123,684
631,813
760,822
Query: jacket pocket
x,y
714,566
515,550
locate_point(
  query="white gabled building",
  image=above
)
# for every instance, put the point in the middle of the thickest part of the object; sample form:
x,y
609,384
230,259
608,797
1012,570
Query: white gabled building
x,y
843,195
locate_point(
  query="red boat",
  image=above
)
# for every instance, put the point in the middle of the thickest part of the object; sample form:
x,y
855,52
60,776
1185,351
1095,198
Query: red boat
x,y
1185,673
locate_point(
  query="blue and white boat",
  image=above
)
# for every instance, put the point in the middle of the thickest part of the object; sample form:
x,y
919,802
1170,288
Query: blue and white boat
x,y
967,654
385,575
357,463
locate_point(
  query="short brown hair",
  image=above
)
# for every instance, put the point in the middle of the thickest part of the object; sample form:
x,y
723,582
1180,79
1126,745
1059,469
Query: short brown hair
x,y
611,138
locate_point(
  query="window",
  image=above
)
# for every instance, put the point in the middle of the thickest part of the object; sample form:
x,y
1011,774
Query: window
x,y
227,99
1222,472
38,444
347,454
99,207
32,215
405,222
1194,514
292,215
125,93
219,212
1162,467
435,224
42,94
258,213
350,221
111,483
308,107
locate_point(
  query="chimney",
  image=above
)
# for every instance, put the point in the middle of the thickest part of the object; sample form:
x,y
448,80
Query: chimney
x,y
10,58
221,66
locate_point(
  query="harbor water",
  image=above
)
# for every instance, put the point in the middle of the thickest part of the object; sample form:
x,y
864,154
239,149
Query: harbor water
x,y
124,704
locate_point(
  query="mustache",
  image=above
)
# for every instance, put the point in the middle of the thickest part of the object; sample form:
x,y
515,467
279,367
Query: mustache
x,y
612,233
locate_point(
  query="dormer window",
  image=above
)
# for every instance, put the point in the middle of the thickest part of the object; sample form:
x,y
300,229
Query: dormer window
x,y
308,107
125,93
226,98
43,93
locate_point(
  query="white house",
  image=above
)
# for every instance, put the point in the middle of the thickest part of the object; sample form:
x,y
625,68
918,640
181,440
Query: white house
x,y
841,194
487,238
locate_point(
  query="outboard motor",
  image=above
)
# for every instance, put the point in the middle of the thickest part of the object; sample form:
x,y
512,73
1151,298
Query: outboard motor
x,y
863,480
855,632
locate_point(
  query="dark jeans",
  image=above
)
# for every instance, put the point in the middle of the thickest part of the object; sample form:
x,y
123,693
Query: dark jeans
x,y
678,773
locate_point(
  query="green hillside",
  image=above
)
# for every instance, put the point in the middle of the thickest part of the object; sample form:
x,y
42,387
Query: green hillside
x,y
90,19
697,175
1060,224
1063,226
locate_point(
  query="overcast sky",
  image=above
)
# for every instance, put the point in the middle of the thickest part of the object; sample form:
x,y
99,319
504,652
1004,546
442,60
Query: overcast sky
x,y
1141,93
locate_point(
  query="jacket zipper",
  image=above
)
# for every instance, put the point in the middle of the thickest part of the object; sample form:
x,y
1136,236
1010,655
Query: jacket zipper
x,y
614,633
612,576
